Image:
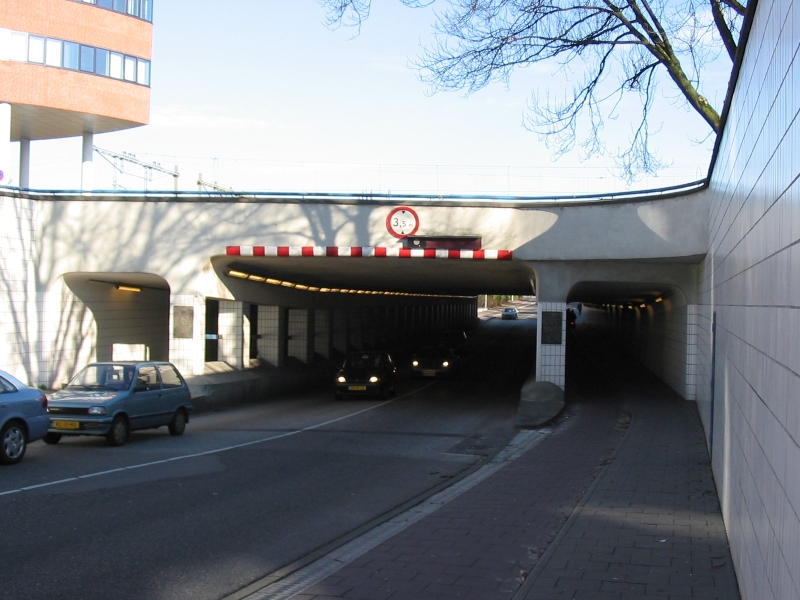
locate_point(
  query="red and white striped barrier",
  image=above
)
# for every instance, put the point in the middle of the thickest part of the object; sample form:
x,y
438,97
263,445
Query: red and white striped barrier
x,y
367,252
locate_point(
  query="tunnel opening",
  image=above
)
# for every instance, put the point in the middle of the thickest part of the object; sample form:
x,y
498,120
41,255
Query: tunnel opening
x,y
648,324
131,314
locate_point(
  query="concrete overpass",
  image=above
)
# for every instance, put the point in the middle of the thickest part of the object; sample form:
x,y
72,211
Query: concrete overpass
x,y
316,275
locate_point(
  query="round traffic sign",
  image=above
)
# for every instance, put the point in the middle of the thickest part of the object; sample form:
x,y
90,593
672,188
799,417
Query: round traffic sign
x,y
2,175
402,222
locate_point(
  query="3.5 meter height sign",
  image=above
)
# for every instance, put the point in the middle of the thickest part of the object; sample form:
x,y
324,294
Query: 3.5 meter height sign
x,y
402,222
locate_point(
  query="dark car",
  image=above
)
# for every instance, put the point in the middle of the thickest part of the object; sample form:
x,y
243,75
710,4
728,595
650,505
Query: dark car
x,y
113,399
509,313
434,361
366,373
23,418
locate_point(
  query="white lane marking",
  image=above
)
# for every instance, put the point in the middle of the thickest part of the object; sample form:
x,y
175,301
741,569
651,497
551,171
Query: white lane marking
x,y
204,453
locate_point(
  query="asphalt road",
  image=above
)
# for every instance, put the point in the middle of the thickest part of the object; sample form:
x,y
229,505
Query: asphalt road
x,y
247,491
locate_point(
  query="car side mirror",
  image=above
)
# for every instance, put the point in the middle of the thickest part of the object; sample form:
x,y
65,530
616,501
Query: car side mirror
x,y
141,386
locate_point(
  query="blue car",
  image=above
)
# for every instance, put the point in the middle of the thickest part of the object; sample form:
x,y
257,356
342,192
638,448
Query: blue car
x,y
23,418
112,399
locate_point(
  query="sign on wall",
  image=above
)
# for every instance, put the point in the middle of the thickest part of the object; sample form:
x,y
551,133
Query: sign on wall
x,y
183,322
551,327
402,222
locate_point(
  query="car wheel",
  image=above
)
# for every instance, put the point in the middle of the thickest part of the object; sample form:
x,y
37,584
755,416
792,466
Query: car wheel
x,y
178,424
14,441
52,438
118,434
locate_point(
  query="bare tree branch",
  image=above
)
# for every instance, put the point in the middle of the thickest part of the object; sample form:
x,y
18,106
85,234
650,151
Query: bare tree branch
x,y
480,41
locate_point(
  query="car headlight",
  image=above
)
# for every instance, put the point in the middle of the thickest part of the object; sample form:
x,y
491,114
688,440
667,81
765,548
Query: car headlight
x,y
97,410
414,363
445,364
374,379
341,379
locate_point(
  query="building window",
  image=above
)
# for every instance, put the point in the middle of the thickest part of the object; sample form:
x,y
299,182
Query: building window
x,y
142,9
52,57
36,49
116,65
143,72
17,46
130,68
102,62
87,59
22,47
71,55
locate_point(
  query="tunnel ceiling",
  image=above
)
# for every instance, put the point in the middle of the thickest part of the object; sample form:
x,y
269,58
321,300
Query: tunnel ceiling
x,y
609,292
426,276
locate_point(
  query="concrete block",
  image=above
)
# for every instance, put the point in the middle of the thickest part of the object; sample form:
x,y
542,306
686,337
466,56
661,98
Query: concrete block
x,y
540,402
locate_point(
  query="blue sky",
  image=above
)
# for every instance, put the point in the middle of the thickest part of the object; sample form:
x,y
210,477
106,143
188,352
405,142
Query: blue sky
x,y
283,103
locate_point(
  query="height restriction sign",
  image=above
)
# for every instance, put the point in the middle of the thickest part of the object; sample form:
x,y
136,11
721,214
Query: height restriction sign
x,y
402,222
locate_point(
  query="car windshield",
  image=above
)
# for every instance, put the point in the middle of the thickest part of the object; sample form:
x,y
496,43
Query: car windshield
x,y
363,361
114,377
434,351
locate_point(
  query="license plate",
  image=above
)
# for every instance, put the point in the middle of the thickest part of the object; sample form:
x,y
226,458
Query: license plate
x,y
357,388
66,425
429,373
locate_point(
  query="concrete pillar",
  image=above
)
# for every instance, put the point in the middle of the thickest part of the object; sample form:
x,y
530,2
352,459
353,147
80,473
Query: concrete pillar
x,y
24,163
87,172
231,333
323,329
298,334
340,340
268,340
5,144
367,321
355,329
551,342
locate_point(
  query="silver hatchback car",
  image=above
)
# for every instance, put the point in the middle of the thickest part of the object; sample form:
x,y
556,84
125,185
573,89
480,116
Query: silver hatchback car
x,y
113,399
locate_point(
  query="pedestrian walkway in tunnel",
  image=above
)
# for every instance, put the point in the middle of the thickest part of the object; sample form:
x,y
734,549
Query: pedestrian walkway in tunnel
x,y
617,502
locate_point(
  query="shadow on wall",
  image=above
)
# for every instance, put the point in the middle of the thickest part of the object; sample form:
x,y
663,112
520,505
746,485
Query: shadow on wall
x,y
41,332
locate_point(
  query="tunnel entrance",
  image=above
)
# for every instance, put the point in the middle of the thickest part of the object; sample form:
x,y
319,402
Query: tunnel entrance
x,y
648,323
131,313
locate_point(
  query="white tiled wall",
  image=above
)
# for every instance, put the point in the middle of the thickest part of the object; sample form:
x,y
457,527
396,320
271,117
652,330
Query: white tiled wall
x,y
322,332
188,354
268,342
17,299
297,344
551,359
367,318
355,328
44,336
340,341
662,336
751,280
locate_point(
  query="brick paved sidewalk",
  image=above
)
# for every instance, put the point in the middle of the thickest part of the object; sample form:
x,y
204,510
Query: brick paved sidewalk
x,y
648,528
651,526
